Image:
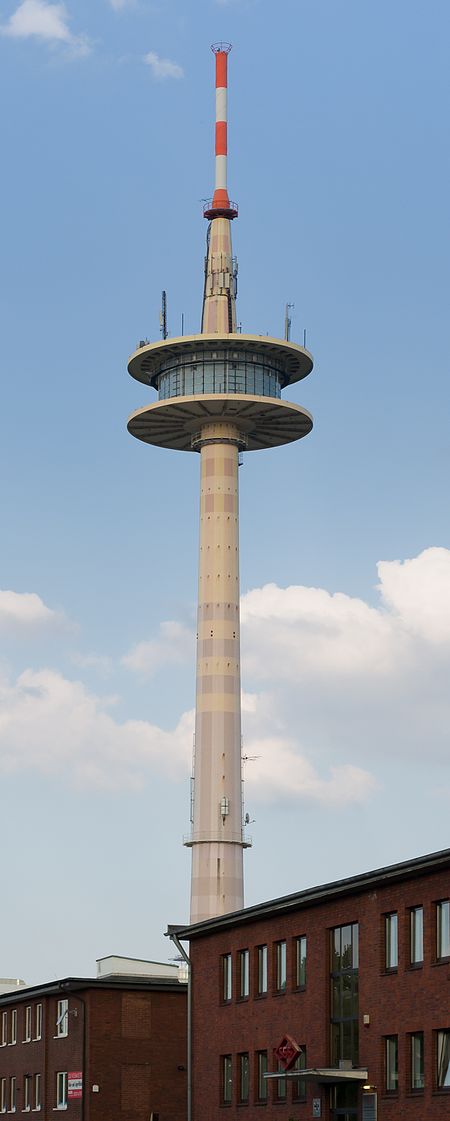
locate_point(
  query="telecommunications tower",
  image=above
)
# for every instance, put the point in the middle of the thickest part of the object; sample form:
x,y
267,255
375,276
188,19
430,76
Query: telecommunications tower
x,y
219,394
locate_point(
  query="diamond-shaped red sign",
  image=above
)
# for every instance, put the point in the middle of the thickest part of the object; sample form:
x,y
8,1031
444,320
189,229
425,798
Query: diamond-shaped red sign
x,y
287,1051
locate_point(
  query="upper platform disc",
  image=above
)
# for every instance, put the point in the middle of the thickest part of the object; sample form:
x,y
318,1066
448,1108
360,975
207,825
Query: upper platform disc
x,y
145,363
265,422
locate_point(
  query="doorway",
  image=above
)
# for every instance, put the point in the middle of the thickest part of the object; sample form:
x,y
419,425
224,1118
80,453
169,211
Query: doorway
x,y
344,1101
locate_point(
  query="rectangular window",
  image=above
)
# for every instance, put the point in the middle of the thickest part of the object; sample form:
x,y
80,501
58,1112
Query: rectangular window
x,y
391,940
37,1091
244,1076
280,1086
4,1028
300,967
443,1059
62,1018
244,974
27,1092
27,1033
262,970
391,1061
280,966
2,1095
227,977
299,1084
226,1079
13,1038
443,929
12,1095
261,1070
38,1021
61,1089
417,1061
344,994
416,935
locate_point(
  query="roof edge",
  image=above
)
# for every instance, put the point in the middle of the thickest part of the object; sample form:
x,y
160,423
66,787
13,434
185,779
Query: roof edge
x,y
351,885
77,984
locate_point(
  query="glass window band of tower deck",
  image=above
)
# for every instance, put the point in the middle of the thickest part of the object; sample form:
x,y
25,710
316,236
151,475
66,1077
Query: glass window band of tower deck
x,y
222,371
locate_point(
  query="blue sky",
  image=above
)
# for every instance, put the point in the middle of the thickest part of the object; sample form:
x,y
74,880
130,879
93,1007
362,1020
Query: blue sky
x,y
339,161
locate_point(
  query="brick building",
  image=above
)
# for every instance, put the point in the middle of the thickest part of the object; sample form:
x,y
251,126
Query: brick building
x,y
104,1048
357,972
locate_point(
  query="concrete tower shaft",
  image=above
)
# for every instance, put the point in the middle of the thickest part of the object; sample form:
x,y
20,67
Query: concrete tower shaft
x,y
219,393
217,835
219,299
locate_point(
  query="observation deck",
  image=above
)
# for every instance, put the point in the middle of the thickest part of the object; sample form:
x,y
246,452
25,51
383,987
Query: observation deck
x,y
203,379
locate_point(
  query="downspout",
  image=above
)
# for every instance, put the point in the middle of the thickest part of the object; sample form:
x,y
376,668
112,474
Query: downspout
x,y
173,937
83,1061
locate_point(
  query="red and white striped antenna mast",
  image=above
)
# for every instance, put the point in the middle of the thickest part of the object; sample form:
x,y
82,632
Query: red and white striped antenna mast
x,y
220,206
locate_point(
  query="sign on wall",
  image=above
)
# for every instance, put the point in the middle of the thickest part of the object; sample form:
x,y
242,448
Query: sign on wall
x,y
75,1084
317,1107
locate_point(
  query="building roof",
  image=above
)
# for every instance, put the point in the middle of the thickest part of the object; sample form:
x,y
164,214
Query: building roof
x,y
324,893
77,984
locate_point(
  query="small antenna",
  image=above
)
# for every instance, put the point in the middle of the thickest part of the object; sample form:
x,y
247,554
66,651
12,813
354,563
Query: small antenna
x,y
287,322
304,336
182,322
163,316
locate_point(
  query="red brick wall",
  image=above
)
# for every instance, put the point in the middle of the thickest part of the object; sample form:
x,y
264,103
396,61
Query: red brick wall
x,y
409,1000
135,1042
136,1067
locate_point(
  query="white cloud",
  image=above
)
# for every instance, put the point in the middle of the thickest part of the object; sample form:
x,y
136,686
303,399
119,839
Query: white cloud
x,y
175,644
56,726
119,5
279,771
357,683
418,593
163,67
337,690
25,609
45,21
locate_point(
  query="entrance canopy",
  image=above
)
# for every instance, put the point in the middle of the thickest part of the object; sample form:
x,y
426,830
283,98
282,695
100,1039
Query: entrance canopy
x,y
325,1075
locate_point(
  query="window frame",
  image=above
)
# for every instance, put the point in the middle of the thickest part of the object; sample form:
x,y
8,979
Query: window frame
x,y
27,1026
262,970
37,1093
226,1080
61,1089
440,956
390,1041
244,1077
300,961
226,978
37,1021
4,1040
13,1032
414,1086
3,1095
261,1082
443,1086
12,1094
391,942
344,988
244,974
26,1093
62,1018
281,966
414,960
